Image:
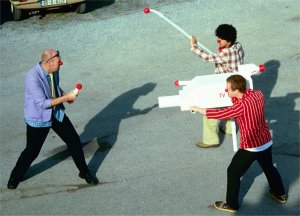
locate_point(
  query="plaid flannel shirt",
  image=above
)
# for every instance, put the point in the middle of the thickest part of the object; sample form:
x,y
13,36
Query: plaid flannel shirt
x,y
226,61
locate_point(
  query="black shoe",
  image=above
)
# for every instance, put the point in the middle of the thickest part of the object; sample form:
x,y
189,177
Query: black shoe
x,y
89,179
12,183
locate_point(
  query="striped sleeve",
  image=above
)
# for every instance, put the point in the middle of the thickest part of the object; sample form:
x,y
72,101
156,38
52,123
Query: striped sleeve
x,y
230,112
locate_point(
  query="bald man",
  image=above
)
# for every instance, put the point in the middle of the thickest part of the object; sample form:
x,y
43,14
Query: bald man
x,y
44,110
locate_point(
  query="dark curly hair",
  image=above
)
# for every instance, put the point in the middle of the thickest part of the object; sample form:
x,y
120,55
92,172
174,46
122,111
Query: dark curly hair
x,y
226,32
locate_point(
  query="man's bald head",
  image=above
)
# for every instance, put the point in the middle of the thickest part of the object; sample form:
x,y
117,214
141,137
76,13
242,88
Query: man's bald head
x,y
47,54
51,60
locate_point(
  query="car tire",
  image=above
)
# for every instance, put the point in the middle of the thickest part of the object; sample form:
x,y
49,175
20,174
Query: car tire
x,y
17,14
81,8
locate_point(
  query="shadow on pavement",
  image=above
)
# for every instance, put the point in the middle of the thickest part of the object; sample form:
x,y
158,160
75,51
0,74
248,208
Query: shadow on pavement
x,y
107,122
288,168
282,119
101,131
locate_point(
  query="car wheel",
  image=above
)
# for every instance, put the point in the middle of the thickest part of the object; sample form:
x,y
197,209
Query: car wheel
x,y
16,13
81,8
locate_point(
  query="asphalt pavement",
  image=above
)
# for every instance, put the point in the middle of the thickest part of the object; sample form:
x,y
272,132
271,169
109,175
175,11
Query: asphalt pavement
x,y
145,157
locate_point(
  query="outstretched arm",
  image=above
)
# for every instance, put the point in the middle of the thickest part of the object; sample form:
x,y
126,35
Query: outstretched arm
x,y
197,109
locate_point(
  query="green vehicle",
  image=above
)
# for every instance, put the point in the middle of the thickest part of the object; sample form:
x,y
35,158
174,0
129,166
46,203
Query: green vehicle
x,y
20,7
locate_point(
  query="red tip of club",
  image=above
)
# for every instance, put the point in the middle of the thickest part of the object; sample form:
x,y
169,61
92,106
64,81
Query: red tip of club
x,y
226,90
78,86
61,63
219,41
146,10
176,83
261,68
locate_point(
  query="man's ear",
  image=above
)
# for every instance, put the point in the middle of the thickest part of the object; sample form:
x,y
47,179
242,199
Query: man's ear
x,y
236,92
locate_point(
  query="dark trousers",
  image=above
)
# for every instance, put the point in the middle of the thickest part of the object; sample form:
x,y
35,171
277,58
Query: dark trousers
x,y
240,163
35,140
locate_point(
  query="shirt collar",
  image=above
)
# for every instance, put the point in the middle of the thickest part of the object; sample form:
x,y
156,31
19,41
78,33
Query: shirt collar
x,y
245,95
221,48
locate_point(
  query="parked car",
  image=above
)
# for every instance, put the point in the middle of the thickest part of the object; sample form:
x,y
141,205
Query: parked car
x,y
20,7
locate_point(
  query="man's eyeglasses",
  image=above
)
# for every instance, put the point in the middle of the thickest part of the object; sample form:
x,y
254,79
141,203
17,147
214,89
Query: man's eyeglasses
x,y
56,55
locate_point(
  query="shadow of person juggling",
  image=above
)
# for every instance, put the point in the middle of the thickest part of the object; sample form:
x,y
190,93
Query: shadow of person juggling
x,y
101,132
281,115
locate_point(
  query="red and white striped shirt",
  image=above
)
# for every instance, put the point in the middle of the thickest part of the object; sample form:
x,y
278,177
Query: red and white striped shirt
x,y
226,61
249,115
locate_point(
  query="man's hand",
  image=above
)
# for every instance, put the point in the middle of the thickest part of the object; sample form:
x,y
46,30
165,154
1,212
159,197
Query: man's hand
x,y
197,109
76,94
193,40
70,97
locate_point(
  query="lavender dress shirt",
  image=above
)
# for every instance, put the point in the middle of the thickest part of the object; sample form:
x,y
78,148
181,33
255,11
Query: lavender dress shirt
x,y
37,95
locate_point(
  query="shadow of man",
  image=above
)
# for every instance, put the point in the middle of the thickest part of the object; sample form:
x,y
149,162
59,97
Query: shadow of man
x,y
100,132
282,119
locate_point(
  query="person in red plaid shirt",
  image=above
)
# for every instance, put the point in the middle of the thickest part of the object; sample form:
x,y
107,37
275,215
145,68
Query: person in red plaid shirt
x,y
255,141
230,56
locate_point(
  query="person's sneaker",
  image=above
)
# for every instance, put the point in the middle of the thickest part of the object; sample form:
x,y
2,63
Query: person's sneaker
x,y
281,199
222,206
203,145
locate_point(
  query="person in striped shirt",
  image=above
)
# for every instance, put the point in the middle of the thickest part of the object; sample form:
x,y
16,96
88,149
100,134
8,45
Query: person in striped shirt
x,y
230,56
255,141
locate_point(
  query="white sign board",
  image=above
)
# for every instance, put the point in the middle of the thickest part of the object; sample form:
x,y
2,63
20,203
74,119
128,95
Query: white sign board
x,y
207,91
